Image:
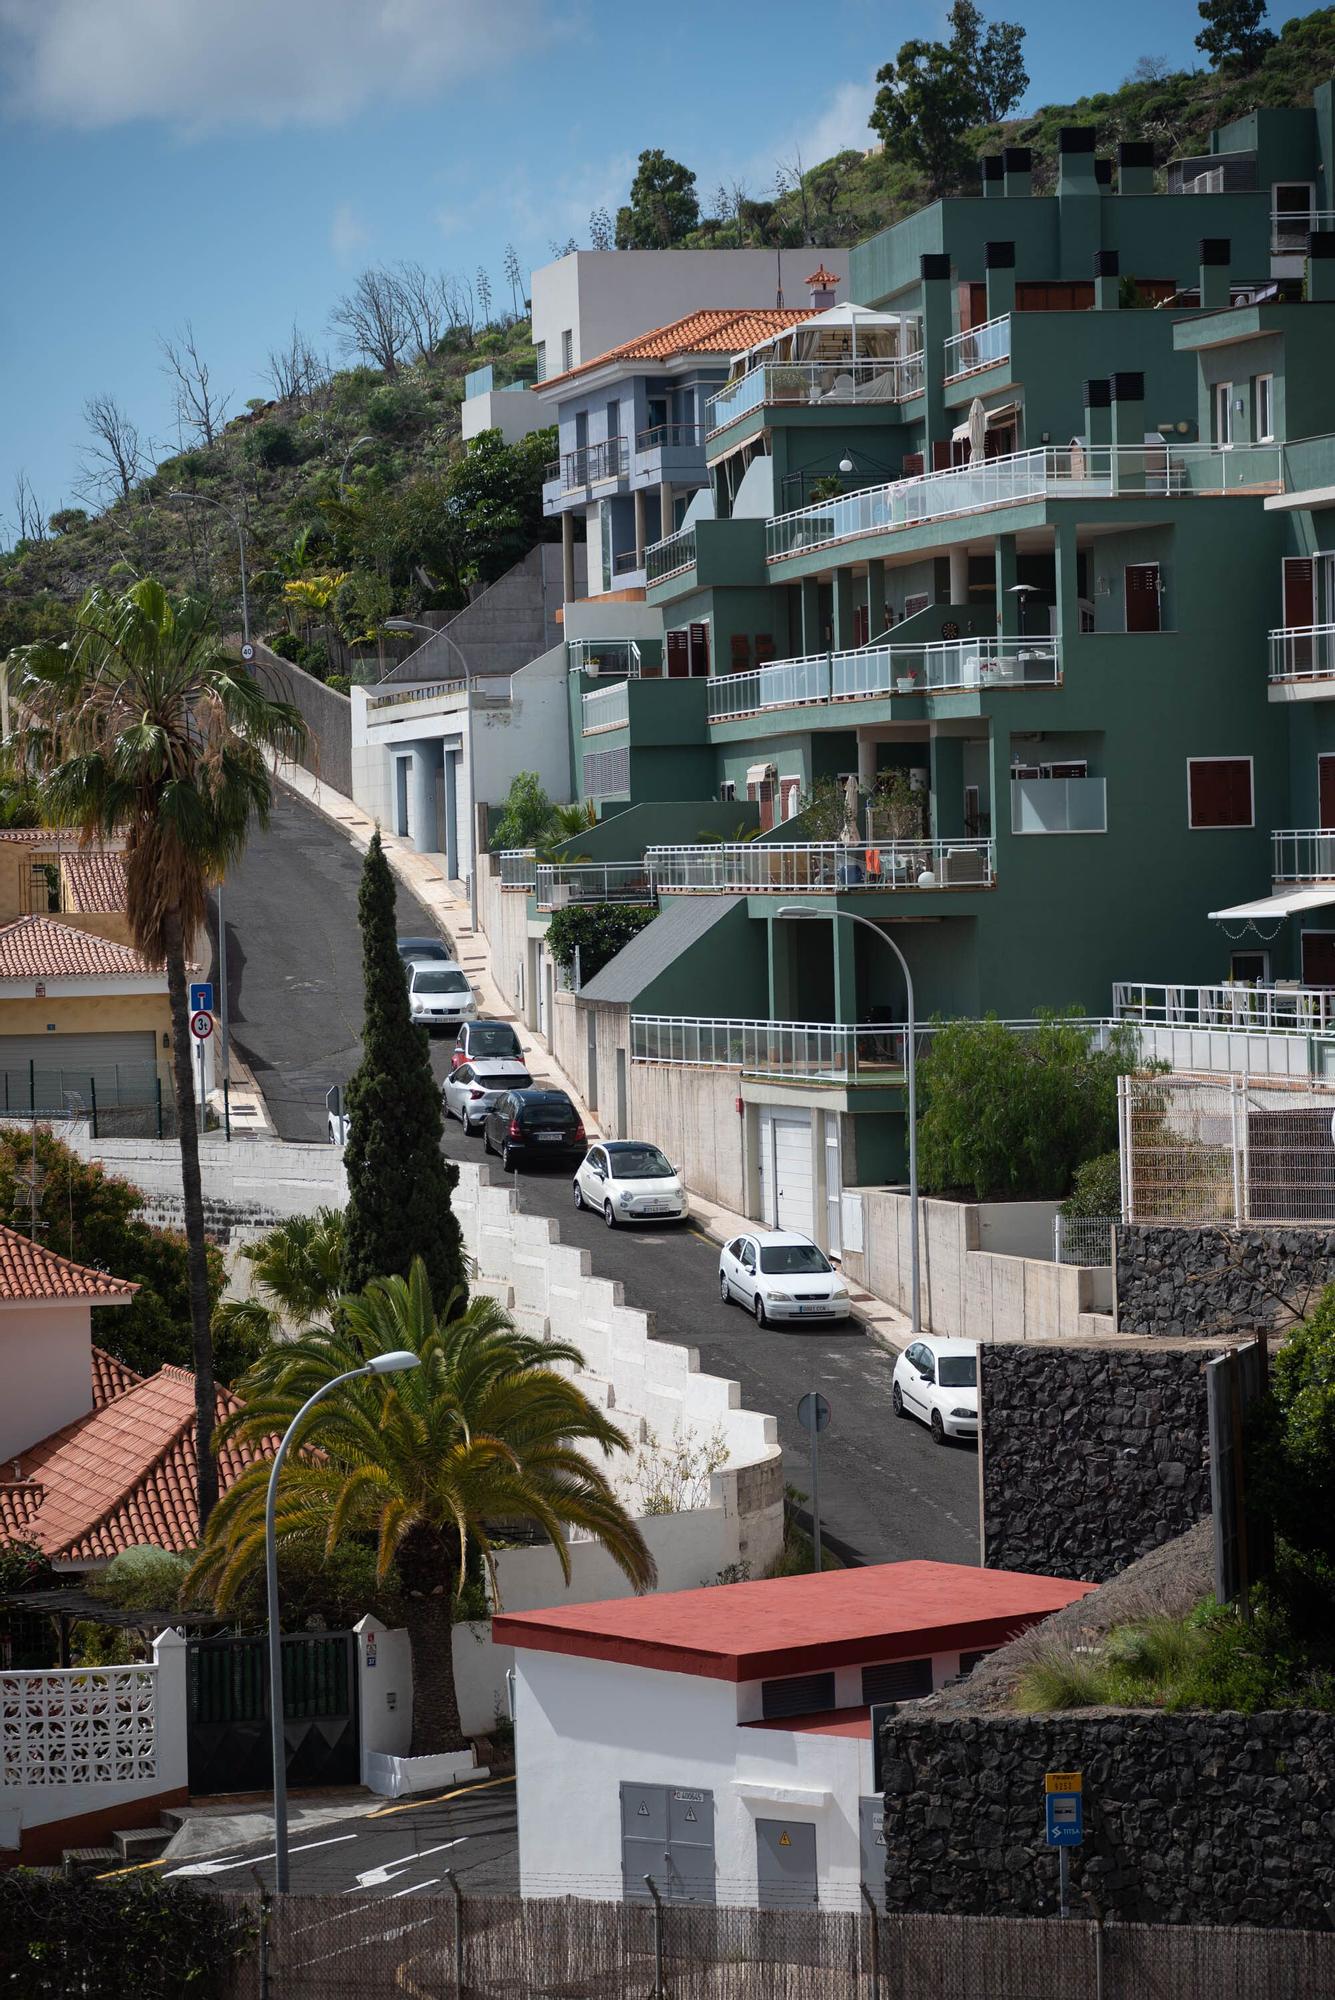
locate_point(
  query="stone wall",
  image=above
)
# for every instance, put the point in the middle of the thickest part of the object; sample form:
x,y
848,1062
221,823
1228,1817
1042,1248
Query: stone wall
x,y
1091,1456
1201,1819
1209,1283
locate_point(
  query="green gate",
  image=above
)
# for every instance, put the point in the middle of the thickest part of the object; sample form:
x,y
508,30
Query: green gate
x,y
229,1749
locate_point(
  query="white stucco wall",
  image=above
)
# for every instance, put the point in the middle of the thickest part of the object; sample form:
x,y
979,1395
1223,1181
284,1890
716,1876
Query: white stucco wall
x,y
515,413
45,1372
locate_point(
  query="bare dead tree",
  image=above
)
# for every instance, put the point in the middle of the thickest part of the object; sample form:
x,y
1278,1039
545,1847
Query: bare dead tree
x,y
295,372
27,510
199,408
423,304
791,178
116,456
460,304
370,320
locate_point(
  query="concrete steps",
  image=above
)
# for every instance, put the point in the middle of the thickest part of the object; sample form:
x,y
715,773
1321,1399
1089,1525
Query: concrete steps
x,y
141,1843
79,1862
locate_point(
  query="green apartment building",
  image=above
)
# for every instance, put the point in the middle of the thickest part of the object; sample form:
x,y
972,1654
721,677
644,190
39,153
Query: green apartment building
x,y
1020,631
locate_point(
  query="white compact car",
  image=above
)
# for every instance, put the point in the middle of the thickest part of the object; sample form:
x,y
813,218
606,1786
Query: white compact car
x,y
439,995
469,1091
628,1181
936,1381
781,1276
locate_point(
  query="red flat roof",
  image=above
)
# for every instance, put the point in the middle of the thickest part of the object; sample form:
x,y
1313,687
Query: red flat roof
x,y
796,1624
830,1722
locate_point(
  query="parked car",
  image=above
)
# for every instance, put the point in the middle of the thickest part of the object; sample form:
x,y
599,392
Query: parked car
x,y
533,1124
628,1181
936,1381
439,995
486,1038
424,947
469,1091
781,1276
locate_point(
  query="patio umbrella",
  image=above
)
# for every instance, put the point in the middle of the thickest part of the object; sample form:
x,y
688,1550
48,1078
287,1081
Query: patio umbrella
x,y
850,831
977,429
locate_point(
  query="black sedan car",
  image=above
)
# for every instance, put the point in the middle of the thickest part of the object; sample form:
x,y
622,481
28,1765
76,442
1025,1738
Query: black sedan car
x,y
528,1125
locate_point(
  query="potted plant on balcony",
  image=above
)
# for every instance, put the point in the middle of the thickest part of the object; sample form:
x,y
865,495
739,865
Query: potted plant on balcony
x,y
907,683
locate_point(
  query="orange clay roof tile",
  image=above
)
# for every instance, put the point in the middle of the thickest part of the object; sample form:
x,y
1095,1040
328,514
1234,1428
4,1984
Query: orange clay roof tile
x,y
716,330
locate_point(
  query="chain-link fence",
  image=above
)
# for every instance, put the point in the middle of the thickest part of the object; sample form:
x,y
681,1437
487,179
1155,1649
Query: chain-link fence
x,y
435,1947
1206,1150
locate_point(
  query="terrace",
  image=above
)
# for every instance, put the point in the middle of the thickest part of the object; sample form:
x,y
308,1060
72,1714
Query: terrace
x,y
821,867
952,666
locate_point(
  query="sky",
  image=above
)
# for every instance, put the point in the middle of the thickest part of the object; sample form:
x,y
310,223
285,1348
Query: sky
x,y
235,163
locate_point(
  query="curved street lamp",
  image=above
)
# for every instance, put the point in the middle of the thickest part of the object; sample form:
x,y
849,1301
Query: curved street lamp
x,y
383,1364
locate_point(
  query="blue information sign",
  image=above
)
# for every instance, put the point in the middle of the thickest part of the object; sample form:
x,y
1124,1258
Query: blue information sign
x,y
1066,1819
201,997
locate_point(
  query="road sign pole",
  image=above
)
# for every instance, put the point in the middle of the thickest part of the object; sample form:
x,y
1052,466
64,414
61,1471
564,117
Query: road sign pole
x,y
815,1492
200,1047
1064,1874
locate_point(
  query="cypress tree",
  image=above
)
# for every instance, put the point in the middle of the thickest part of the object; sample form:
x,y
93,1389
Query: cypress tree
x,y
399,1181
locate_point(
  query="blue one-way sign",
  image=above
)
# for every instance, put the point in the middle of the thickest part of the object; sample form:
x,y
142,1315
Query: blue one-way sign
x,y
201,997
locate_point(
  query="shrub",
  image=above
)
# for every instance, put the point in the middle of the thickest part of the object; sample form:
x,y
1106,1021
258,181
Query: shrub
x,y
1060,1677
597,931
1096,1187
271,444
527,815
395,408
105,1940
142,1579
1293,1447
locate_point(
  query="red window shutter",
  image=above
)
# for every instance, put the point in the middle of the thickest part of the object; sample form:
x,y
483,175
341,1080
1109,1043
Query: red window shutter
x,y
699,649
1299,591
941,455
1142,597
678,656
764,647
739,648
860,626
913,464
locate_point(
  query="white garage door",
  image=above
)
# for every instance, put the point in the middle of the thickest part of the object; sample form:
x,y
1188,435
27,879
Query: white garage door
x,y
786,1194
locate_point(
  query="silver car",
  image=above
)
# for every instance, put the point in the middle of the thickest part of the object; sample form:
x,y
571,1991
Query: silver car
x,y
469,1091
439,995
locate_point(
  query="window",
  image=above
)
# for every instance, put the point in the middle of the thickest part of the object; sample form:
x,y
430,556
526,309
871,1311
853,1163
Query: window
x,y
727,791
916,603
699,649
799,1694
1265,409
1143,597
1219,791
1223,413
968,1661
897,1680
540,355
568,349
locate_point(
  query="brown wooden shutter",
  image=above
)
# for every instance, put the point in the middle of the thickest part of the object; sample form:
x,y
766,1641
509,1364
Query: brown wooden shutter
x,y
739,652
913,464
678,656
860,625
764,647
1142,597
1221,791
941,455
1299,591
699,649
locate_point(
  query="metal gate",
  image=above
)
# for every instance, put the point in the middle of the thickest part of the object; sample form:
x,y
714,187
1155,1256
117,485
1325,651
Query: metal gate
x,y
229,1713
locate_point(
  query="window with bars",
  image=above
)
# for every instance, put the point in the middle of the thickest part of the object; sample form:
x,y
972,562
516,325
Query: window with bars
x,y
606,771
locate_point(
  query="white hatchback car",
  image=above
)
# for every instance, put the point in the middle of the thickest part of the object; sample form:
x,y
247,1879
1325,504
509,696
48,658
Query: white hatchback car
x,y
628,1181
936,1381
469,1091
439,995
781,1276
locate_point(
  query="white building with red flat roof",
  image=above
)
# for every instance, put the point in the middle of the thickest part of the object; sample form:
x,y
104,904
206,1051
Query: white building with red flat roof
x,y
719,1741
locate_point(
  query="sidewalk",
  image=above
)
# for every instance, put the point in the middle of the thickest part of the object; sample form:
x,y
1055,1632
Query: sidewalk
x,y
448,904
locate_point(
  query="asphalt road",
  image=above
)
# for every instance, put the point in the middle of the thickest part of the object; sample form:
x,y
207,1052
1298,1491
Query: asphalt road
x,y
295,990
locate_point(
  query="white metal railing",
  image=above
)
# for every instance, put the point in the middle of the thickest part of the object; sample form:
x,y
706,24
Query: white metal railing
x,y
981,347
845,381
1075,471
561,883
78,1726
1302,854
812,1051
431,692
604,656
519,868
1082,1239
671,556
1302,653
1290,230
782,685
1059,805
822,866
939,666
1286,1009
606,708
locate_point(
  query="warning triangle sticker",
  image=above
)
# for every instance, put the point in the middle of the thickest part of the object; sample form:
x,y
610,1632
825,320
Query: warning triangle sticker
x,y
643,1812
690,1812
784,1840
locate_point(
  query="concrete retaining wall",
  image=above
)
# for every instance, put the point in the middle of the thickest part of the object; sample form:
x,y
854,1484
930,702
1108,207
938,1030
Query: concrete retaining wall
x,y
1091,1456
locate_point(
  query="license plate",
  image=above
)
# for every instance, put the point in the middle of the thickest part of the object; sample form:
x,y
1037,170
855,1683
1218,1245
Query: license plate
x,y
549,1138
657,1208
813,1309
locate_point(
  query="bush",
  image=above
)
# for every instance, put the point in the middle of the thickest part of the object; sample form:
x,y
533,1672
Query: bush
x,y
1292,1452
527,815
271,444
142,1579
324,1590
395,408
598,931
1096,1187
106,1940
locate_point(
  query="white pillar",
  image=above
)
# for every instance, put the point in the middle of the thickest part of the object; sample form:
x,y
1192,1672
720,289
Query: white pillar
x,y
866,762
639,527
665,509
959,576
568,558
171,1712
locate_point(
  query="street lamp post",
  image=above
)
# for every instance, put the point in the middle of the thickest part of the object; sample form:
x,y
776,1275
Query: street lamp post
x,y
381,1364
911,1073
416,625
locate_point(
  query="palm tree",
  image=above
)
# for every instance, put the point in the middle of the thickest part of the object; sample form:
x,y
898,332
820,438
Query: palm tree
x,y
436,1464
296,1269
141,725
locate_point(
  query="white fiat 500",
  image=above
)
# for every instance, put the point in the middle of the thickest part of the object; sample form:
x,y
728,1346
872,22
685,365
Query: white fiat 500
x,y
627,1181
936,1381
781,1276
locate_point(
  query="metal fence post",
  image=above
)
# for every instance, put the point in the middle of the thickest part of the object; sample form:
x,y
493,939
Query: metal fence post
x,y
227,1107
32,1086
458,1893
874,1914
660,1985
92,1098
159,1104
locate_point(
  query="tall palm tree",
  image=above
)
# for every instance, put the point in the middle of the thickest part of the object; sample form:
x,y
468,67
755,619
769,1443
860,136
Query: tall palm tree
x,y
485,1434
140,724
296,1269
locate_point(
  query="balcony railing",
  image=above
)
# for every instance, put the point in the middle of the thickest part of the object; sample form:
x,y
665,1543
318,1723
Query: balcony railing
x,y
1074,471
606,708
806,1051
1303,854
1290,230
626,562
1302,653
432,692
822,867
519,868
891,381
1059,805
670,557
604,656
670,436
590,463
564,882
1269,1010
981,347
951,666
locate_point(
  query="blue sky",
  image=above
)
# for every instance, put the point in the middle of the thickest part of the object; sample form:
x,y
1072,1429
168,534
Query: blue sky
x,y
235,162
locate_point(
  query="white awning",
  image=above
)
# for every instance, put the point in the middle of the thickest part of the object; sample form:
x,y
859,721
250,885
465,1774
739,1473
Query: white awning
x,y
960,431
1002,414
1287,904
756,774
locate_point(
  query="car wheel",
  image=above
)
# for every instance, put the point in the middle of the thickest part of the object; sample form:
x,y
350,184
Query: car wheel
x,y
579,1197
897,1401
758,1308
609,1215
486,1140
938,1428
724,1288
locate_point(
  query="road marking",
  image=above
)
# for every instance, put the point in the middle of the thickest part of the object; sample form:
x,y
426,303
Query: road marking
x,y
432,1882
378,1878
462,1792
227,1862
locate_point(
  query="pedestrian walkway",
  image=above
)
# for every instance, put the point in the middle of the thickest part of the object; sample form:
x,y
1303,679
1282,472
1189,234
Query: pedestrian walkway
x,y
448,903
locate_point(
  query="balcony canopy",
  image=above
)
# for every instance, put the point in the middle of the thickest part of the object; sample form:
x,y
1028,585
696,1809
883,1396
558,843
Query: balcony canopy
x,y
844,333
1275,908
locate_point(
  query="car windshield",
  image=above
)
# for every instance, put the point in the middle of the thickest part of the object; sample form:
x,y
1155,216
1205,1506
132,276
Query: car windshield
x,y
513,1079
792,1259
639,1163
493,1040
430,981
548,1113
958,1371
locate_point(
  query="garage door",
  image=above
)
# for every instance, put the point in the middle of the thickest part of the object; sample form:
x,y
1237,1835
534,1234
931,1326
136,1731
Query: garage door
x,y
119,1067
786,1194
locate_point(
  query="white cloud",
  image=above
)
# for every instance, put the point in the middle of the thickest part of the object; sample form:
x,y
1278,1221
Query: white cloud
x,y
839,126
203,64
348,234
